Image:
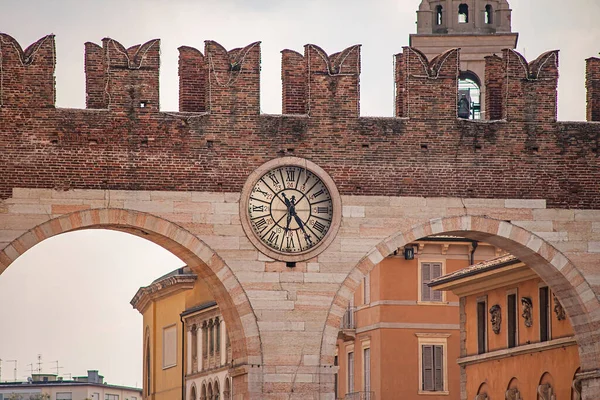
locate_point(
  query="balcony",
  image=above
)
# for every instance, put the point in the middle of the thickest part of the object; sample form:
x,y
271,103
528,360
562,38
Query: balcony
x,y
348,325
360,396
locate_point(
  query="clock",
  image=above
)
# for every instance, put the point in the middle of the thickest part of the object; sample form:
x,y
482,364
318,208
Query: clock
x,y
290,209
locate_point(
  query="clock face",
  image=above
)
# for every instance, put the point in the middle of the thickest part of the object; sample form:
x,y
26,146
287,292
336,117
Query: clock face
x,y
290,209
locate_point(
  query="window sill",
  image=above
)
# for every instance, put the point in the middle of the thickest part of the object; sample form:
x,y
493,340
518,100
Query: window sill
x,y
433,393
168,366
434,303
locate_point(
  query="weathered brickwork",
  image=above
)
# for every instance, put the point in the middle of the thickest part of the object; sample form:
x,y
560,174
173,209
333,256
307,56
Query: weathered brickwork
x,y
523,182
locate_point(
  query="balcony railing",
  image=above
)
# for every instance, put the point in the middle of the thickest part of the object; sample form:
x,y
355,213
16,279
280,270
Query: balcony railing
x,y
360,396
348,320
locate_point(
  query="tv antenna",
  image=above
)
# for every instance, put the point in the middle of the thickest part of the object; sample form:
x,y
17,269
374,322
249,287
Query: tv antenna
x,y
39,363
57,367
15,369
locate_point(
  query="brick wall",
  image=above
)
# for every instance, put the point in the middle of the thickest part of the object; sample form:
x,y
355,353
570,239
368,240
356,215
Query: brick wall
x,y
592,83
430,153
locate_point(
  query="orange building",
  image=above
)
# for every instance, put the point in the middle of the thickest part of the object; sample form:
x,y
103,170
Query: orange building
x,y
517,340
399,339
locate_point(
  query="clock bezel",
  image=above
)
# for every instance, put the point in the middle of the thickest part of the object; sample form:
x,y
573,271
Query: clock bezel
x,y
333,193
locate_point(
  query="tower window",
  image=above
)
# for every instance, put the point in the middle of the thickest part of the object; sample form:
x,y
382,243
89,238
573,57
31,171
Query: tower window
x,y
488,14
463,13
438,15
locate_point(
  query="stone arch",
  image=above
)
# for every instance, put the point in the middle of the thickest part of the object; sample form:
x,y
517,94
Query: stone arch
x,y
563,277
206,263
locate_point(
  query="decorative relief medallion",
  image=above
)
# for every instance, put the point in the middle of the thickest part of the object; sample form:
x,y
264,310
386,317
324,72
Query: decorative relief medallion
x,y
290,209
496,318
527,306
559,310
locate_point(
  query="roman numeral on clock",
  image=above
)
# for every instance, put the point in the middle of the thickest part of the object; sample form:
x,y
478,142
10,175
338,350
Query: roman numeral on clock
x,y
273,237
260,225
258,208
322,210
319,226
290,175
289,242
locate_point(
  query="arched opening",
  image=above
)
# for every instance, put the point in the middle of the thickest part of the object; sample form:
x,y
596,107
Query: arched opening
x,y
439,17
148,364
209,392
469,91
193,395
488,15
184,245
545,389
227,393
203,392
550,267
217,390
463,13
482,392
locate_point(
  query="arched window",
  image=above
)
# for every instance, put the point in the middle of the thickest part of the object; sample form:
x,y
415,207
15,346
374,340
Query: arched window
x,y
227,394
148,374
488,14
463,13
203,392
469,91
438,15
193,393
216,391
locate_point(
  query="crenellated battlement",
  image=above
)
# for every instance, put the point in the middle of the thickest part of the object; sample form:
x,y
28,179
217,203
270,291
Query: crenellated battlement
x,y
522,91
221,81
120,78
426,89
318,84
27,76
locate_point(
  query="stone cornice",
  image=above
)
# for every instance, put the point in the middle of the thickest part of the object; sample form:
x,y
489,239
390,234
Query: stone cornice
x,y
517,351
162,288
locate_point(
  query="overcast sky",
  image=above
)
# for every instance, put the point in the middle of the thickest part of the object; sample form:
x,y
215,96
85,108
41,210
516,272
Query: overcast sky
x,y
69,296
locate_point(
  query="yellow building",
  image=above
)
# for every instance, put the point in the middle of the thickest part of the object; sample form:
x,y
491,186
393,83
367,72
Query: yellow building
x,y
185,340
517,342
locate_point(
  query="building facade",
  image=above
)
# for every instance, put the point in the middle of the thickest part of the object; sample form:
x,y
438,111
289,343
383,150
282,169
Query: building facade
x,y
53,387
399,339
187,353
521,180
518,342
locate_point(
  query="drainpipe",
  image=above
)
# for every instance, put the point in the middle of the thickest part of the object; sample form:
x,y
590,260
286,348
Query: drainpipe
x,y
182,357
474,244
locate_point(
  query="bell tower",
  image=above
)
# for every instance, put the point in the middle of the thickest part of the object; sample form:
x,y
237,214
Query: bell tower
x,y
479,27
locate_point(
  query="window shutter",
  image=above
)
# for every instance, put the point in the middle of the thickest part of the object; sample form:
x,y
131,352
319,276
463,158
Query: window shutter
x,y
427,368
439,367
436,272
425,278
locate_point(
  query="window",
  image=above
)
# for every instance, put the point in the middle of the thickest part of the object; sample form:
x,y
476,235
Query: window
x,y
64,396
95,396
211,330
429,271
367,289
512,314
194,343
350,372
335,376
488,14
433,362
218,335
544,314
148,373
367,370
481,326
205,339
111,396
463,13
438,15
169,346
